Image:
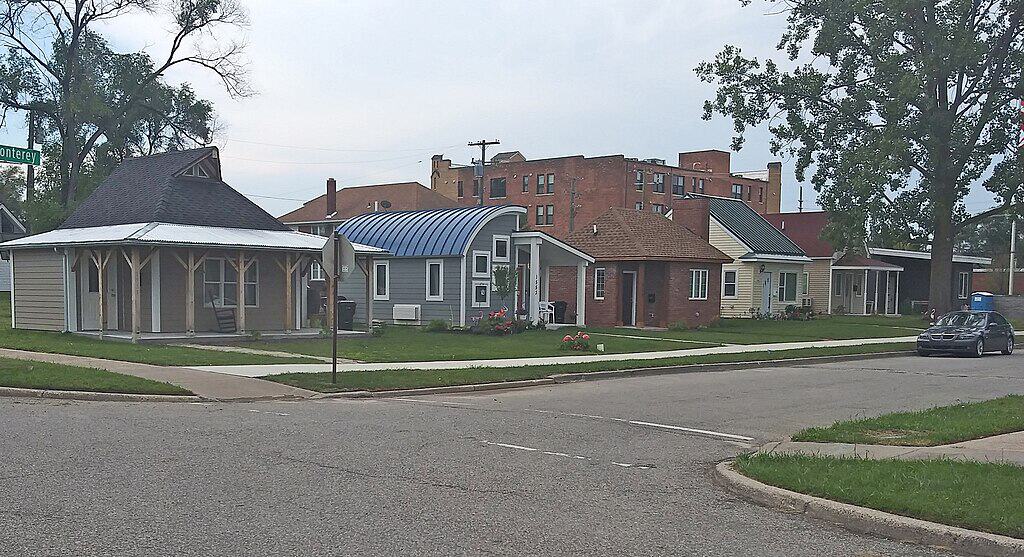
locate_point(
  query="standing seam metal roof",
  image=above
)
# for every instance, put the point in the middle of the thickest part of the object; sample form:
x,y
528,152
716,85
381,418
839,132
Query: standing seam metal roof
x,y
422,233
743,222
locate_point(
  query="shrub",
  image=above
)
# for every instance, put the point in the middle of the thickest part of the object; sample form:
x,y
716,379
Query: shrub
x,y
253,336
580,342
437,326
378,328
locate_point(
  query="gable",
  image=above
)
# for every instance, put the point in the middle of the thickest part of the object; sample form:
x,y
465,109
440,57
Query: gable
x,y
725,242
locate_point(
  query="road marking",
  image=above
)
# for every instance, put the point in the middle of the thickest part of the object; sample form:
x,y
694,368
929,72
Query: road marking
x,y
692,430
566,455
508,446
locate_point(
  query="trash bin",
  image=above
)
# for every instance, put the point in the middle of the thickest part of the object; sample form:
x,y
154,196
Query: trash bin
x,y
983,301
560,307
346,314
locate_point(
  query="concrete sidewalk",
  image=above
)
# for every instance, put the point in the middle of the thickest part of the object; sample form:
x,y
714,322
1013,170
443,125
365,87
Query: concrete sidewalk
x,y
216,386
271,369
1007,448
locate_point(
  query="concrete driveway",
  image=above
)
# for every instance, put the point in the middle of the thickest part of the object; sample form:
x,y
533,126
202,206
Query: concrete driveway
x,y
599,468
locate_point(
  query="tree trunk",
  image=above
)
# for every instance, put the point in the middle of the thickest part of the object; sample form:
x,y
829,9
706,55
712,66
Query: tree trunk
x,y
940,297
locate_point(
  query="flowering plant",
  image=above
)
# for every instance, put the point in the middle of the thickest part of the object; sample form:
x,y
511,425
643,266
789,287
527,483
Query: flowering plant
x,y
580,341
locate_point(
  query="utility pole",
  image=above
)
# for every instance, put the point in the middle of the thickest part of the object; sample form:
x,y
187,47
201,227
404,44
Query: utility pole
x,y
30,172
479,173
572,204
800,201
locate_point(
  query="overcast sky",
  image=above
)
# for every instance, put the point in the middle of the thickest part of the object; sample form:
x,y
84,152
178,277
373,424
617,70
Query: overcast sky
x,y
367,91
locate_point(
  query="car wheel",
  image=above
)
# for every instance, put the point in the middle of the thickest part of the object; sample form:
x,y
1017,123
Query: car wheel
x,y
979,349
1009,347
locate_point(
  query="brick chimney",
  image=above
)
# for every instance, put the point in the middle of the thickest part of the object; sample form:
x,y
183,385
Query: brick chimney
x,y
774,204
694,214
332,197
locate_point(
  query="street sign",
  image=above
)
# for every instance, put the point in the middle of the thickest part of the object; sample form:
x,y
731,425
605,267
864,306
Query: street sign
x,y
19,155
347,262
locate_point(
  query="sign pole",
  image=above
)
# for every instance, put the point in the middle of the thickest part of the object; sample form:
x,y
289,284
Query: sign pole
x,y
30,171
334,326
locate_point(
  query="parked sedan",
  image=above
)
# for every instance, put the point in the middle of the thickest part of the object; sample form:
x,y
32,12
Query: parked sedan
x,y
968,332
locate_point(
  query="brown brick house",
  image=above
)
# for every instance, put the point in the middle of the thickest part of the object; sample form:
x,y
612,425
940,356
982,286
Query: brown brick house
x,y
648,272
545,186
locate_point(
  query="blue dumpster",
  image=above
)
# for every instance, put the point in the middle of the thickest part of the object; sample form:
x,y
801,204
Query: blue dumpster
x,y
983,301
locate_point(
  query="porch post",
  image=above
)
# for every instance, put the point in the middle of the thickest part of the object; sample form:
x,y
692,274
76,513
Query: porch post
x,y
240,288
896,299
289,314
154,290
190,295
875,308
641,298
865,293
535,279
581,295
135,267
370,286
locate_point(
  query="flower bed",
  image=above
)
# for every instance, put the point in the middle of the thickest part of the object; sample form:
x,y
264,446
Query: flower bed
x,y
580,342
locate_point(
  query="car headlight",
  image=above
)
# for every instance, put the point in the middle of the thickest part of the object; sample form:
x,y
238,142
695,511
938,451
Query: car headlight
x,y
924,336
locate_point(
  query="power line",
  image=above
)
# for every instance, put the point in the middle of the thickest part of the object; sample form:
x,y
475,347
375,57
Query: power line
x,y
336,150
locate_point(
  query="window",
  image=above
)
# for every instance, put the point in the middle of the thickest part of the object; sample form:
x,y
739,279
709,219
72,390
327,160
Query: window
x,y
435,280
693,185
837,284
787,287
701,188
599,282
542,184
196,171
497,188
678,185
540,215
658,208
526,183
728,284
639,182
481,294
481,264
659,182
698,284
737,191
476,187
750,191
499,247
639,206
94,278
316,272
550,217
760,194
857,278
805,284
965,285
220,284
461,191
551,183
381,280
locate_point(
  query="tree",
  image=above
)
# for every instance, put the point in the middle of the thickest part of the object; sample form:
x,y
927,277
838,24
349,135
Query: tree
x,y
505,280
898,105
12,189
96,106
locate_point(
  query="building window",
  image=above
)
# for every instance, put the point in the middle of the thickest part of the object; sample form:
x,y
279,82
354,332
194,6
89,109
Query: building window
x,y
497,188
481,294
658,208
760,194
316,272
659,182
965,285
435,280
476,187
526,183
698,284
639,205
750,192
599,282
540,215
499,247
549,219
805,284
737,191
545,183
460,190
787,287
857,278
678,185
220,283
639,182
693,185
196,171
728,284
481,264
551,183
701,186
837,284
381,280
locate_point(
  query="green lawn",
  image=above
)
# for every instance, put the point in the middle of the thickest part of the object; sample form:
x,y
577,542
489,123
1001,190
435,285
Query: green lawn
x,y
412,344
978,496
66,343
936,426
411,379
41,375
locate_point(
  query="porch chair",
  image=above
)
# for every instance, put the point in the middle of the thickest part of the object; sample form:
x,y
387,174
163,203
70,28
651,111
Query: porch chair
x,y
547,312
226,322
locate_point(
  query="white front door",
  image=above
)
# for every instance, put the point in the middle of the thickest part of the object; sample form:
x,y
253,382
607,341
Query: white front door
x,y
89,298
766,292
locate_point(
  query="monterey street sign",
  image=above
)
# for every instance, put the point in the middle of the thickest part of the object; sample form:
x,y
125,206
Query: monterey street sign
x,y
19,155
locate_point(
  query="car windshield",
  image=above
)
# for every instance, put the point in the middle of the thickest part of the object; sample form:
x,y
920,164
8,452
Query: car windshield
x,y
962,319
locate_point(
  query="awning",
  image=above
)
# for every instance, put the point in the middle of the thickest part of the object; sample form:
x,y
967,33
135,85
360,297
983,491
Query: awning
x,y
854,262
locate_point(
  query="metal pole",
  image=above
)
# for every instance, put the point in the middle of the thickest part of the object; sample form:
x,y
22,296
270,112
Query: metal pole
x,y
1013,254
483,143
30,172
334,326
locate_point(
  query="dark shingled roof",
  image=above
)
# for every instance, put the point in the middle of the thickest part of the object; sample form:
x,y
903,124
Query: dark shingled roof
x,y
626,235
751,228
149,189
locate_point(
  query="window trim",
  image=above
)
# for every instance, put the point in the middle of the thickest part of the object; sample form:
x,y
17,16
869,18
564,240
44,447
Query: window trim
x,y
487,289
460,190
526,183
490,188
805,284
784,283
701,291
549,215
223,264
963,285
600,294
440,280
735,283
387,280
486,255
737,194
316,272
658,186
494,248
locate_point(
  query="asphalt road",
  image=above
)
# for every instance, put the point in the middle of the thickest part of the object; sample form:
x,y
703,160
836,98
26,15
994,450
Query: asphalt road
x,y
557,470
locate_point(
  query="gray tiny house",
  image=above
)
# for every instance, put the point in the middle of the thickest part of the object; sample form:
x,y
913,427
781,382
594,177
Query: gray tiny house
x,y
441,264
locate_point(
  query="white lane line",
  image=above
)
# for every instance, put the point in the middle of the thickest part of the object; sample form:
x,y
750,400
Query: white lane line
x,y
692,430
508,446
566,455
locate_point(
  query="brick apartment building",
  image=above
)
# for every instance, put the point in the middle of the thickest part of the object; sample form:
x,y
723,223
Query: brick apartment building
x,y
545,186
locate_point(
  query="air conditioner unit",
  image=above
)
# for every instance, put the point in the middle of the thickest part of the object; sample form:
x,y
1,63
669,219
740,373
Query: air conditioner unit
x,y
806,302
406,314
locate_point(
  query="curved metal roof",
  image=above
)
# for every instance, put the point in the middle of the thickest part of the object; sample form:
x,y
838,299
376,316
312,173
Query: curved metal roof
x,y
424,233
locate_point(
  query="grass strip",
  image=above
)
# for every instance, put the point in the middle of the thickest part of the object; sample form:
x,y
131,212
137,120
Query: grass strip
x,y
413,379
927,428
979,496
42,375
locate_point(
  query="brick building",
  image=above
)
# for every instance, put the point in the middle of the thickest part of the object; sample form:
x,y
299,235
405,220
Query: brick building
x,y
648,272
545,186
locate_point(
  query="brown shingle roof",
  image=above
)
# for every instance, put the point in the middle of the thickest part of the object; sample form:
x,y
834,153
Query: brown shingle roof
x,y
356,200
625,234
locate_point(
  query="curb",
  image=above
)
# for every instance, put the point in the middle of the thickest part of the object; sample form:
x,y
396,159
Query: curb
x,y
94,396
867,521
440,390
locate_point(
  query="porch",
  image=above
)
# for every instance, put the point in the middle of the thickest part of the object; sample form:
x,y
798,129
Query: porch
x,y
536,254
864,286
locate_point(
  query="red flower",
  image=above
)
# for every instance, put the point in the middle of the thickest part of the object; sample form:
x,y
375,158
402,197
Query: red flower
x,y
586,336
567,338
